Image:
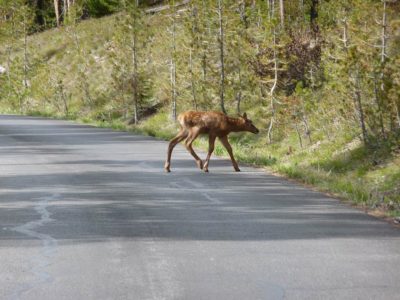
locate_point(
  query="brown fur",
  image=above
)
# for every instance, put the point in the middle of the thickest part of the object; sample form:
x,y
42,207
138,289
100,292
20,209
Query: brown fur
x,y
215,124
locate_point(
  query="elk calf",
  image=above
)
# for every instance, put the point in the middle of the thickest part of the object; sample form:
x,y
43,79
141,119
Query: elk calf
x,y
215,124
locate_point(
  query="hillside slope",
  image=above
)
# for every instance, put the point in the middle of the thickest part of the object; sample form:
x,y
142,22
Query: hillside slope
x,y
84,71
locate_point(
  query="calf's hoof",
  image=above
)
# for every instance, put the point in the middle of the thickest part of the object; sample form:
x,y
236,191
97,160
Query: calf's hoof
x,y
199,164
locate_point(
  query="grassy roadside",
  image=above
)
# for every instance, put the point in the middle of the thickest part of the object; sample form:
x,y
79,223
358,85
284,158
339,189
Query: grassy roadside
x,y
368,178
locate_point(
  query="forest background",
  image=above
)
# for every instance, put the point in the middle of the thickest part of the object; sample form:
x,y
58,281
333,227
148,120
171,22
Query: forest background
x,y
320,78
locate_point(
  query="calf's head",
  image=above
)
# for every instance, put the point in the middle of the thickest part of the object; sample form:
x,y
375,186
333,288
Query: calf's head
x,y
248,124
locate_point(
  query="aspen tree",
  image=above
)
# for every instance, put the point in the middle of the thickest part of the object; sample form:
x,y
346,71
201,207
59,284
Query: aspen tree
x,y
221,56
57,12
173,62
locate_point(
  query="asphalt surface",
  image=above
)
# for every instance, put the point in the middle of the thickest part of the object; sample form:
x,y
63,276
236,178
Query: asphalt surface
x,y
88,213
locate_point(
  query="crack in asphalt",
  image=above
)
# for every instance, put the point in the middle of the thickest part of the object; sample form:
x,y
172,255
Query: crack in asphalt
x,y
49,246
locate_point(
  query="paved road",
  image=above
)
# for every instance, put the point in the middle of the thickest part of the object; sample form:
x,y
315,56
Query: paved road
x,y
88,213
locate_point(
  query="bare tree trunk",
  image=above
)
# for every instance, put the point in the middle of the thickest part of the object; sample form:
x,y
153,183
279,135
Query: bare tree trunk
x,y
308,131
192,81
25,62
397,107
204,68
243,17
57,12
282,13
272,91
384,37
173,89
221,49
345,38
271,8
259,17
204,53
65,10
298,135
135,79
135,76
25,54
173,63
9,69
378,104
63,97
239,93
359,107
195,45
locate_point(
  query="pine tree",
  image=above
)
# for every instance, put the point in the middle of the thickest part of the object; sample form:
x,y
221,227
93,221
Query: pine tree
x,y
131,78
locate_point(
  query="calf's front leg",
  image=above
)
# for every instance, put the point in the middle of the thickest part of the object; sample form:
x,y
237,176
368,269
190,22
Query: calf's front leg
x,y
211,143
225,142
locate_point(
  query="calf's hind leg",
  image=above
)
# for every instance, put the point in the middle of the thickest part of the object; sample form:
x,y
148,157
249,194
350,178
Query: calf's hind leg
x,y
177,139
188,143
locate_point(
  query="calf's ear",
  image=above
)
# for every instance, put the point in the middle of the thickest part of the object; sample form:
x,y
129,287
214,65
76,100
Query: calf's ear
x,y
244,116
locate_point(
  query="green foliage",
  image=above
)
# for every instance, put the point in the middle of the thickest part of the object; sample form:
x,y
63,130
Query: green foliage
x,y
159,126
132,79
